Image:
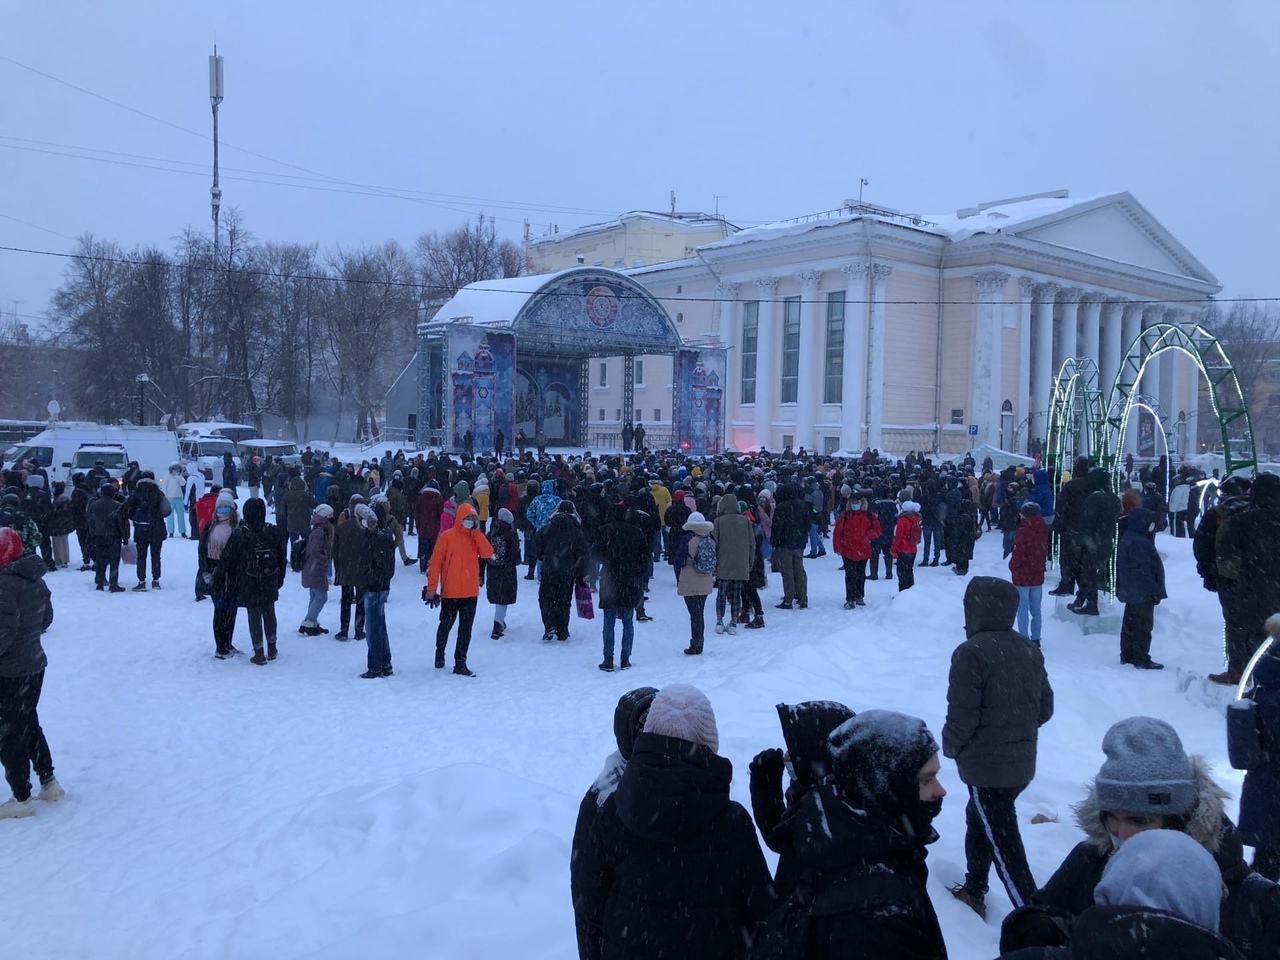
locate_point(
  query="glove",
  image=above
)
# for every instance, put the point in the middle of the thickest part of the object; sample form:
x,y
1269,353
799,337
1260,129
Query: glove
x,y
769,765
207,578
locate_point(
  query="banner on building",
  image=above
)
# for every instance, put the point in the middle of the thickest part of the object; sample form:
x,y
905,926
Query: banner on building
x,y
1146,433
478,398
699,396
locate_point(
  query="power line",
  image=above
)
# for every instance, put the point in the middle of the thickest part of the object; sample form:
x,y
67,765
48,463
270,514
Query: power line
x,y
270,274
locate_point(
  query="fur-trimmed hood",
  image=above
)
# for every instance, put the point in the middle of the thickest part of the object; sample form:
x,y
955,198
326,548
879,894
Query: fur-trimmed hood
x,y
1204,825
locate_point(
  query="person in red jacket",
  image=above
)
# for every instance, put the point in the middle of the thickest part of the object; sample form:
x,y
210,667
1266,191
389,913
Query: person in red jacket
x,y
906,537
426,517
1026,564
453,583
856,527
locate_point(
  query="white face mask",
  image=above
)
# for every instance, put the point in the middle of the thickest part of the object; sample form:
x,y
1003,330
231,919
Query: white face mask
x,y
469,523
1116,842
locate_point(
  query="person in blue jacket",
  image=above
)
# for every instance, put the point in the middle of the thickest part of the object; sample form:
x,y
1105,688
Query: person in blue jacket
x,y
1139,586
1042,494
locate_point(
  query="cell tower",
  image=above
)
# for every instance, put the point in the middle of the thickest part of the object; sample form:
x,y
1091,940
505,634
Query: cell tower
x,y
215,98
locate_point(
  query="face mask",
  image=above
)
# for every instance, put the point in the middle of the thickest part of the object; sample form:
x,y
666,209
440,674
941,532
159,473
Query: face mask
x,y
1116,842
469,523
224,510
855,506
930,809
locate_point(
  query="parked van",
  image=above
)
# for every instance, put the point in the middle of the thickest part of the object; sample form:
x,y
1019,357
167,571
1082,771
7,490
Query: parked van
x,y
114,457
207,450
55,449
285,450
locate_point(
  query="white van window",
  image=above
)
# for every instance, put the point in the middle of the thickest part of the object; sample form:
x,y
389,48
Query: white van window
x,y
216,448
41,455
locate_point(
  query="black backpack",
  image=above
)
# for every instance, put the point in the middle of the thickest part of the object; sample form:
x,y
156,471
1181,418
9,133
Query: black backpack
x,y
261,559
298,555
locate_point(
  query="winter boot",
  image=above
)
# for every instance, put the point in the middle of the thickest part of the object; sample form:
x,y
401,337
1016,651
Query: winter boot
x,y
1063,589
497,631
439,658
271,650
342,635
625,664
258,657
1228,677
875,568
977,902
784,605
757,623
1148,664
693,650
460,670
115,588
14,809
371,675
607,664
51,791
155,584
141,587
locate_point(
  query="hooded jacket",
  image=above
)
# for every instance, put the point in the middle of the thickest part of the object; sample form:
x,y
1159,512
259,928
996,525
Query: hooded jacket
x,y
562,548
143,508
672,867
1098,515
501,582
998,693
1071,499
1139,569
628,723
855,529
26,611
315,570
735,541
1246,554
1030,549
232,579
426,512
297,505
1042,494
790,519
543,505
1251,911
622,552
454,571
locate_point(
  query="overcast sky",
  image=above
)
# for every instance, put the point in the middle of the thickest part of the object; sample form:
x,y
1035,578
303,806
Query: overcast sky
x,y
569,113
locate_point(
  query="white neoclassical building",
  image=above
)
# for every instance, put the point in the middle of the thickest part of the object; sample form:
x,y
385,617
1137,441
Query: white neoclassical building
x,y
867,327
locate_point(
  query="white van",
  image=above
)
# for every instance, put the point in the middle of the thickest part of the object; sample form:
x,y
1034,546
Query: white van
x,y
55,449
285,450
114,457
207,450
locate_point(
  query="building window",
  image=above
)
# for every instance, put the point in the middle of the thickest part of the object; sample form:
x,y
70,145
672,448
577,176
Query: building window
x,y
833,381
657,413
601,417
750,335
619,416
957,415
604,374
790,350
638,416
639,368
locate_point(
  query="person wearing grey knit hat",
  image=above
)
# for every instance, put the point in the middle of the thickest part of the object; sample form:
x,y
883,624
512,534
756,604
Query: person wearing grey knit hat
x,y
1146,773
501,582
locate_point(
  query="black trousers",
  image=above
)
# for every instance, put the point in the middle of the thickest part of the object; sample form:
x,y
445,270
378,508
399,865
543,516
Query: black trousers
x,y
855,580
351,595
22,742
906,571
1069,559
1135,631
462,609
751,601
224,626
262,620
991,835
1240,641
145,547
555,594
1090,573
106,562
697,620
876,554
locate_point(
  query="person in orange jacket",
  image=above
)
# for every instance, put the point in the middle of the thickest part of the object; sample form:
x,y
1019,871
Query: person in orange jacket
x,y
453,583
906,536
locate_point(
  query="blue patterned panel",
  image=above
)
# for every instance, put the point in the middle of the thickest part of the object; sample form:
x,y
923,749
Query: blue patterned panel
x,y
602,308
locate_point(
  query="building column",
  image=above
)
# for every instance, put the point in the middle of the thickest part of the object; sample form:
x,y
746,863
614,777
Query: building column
x,y
1150,384
767,350
1172,378
1023,405
985,397
727,332
1130,327
811,358
1091,316
1110,347
1066,345
875,399
1042,372
853,386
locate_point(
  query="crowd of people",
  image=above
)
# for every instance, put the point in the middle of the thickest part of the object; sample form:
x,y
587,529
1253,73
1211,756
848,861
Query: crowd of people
x,y
664,864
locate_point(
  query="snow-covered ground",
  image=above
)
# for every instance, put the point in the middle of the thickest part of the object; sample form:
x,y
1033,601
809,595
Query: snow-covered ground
x,y
218,809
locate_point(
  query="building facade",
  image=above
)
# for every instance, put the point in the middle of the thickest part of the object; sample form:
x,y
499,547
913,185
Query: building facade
x,y
636,239
864,327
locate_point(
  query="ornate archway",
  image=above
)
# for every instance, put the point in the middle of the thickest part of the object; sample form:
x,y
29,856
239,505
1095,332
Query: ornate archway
x,y
1225,396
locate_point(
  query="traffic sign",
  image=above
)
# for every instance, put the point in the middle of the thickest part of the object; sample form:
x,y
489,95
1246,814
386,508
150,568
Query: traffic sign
x,y
973,429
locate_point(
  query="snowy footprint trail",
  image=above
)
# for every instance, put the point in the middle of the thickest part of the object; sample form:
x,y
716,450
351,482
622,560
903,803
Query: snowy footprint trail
x,y
218,809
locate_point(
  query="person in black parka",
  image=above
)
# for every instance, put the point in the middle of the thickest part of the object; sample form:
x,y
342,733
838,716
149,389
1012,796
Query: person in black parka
x,y
250,573
502,581
859,842
1139,586
1253,735
672,867
1095,539
622,550
628,723
1249,570
566,560
1066,526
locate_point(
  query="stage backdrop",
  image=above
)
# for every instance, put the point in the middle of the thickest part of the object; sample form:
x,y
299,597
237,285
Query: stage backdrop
x,y
482,366
700,400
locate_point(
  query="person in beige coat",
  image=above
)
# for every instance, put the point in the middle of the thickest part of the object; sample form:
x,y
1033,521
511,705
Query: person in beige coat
x,y
691,583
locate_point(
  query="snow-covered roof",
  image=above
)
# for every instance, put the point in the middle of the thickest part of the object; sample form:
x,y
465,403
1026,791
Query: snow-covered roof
x,y
684,221
491,302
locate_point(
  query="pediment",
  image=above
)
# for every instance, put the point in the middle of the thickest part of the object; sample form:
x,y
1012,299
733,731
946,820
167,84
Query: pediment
x,y
1117,230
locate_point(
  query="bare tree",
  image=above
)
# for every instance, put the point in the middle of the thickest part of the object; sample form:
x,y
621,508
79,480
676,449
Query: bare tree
x,y
467,254
1250,334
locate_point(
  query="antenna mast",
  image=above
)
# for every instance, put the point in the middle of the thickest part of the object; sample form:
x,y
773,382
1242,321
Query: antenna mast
x,y
215,98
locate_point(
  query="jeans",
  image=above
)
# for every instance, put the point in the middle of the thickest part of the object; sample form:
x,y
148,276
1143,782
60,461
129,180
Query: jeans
x,y
657,545
1029,606
177,514
991,821
815,541
375,619
500,613
22,742
316,603
625,614
1007,537
262,620
697,620
932,537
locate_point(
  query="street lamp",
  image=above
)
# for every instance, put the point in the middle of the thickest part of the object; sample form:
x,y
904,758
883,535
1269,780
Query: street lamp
x,y
142,380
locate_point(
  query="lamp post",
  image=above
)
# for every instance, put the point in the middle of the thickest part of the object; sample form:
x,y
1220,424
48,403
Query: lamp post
x,y
142,380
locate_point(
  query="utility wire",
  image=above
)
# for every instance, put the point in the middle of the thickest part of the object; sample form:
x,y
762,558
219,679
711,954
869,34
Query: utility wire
x,y
217,268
